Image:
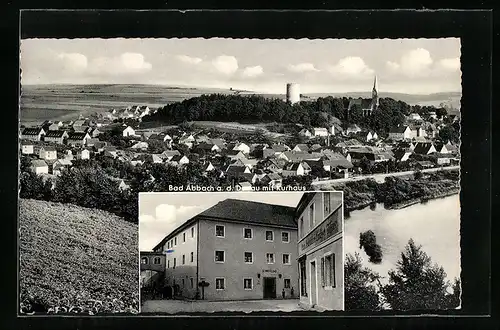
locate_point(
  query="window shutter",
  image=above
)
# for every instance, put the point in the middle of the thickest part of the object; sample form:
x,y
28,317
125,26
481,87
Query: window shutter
x,y
332,271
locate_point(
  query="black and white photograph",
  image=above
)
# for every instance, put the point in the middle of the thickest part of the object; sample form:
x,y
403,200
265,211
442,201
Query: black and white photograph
x,y
102,120
241,252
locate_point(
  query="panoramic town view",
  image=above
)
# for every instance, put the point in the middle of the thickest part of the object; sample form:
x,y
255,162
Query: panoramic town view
x,y
102,120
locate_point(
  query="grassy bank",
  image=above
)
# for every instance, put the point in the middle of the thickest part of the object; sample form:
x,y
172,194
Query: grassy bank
x,y
397,192
76,260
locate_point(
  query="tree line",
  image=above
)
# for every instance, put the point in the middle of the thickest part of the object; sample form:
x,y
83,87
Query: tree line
x,y
317,113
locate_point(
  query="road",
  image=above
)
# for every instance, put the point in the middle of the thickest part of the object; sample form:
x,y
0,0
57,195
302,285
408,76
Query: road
x,y
247,306
381,177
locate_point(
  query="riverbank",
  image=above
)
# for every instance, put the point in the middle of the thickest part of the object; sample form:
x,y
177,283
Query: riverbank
x,y
397,192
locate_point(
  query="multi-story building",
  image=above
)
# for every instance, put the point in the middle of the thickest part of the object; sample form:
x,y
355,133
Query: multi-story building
x,y
241,249
320,253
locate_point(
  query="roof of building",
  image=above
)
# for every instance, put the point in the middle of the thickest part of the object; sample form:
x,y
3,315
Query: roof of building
x,y
302,147
364,103
31,131
54,134
399,129
48,148
422,147
38,163
77,136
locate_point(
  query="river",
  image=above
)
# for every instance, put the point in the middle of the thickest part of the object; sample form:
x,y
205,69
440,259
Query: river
x,y
435,225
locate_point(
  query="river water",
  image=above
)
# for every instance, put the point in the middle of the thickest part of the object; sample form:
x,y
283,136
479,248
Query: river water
x,y
435,225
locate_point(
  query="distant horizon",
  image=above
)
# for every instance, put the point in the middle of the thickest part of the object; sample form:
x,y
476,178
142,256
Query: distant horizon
x,y
236,89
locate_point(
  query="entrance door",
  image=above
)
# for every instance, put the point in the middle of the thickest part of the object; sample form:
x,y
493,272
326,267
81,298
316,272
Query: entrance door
x,y
269,287
313,283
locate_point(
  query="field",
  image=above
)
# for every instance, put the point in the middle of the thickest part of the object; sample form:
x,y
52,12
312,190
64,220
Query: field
x,y
76,260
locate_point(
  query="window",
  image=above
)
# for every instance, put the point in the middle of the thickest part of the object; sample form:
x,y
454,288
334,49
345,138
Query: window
x,y
192,256
328,271
286,259
168,263
175,261
311,216
301,227
287,283
219,231
175,241
156,260
247,284
270,258
192,282
285,237
269,235
219,256
192,232
220,283
144,260
248,257
168,245
183,237
183,283
247,233
327,203
303,284
183,259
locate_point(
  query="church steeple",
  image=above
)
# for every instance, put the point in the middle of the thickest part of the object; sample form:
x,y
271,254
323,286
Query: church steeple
x,y
375,94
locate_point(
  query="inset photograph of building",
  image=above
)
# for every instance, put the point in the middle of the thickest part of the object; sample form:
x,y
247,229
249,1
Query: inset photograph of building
x,y
238,251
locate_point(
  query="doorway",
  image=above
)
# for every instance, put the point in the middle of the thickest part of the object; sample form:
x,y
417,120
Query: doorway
x,y
313,284
269,287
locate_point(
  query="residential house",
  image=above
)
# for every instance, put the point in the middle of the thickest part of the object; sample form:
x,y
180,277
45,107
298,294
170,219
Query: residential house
x,y
219,142
77,138
110,151
294,169
55,126
202,138
292,156
401,133
39,166
424,164
418,132
320,131
272,180
128,131
243,147
301,148
83,154
244,186
250,177
69,155
140,146
424,148
273,165
235,154
315,148
32,133
249,162
441,148
81,129
169,154
305,133
280,148
56,136
187,140
99,146
48,153
80,122
207,147
236,170
336,161
402,154
208,167
59,165
414,117
94,132
442,159
27,148
179,159
352,129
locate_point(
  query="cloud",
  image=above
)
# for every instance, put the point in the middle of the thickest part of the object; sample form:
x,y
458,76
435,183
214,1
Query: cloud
x,y
352,66
73,61
450,64
126,63
416,62
189,59
302,67
225,64
253,71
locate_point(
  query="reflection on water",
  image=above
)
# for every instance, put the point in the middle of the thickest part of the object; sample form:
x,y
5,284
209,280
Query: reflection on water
x,y
435,225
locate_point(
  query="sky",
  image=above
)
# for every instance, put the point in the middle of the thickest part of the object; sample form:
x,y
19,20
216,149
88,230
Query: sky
x,y
412,66
161,213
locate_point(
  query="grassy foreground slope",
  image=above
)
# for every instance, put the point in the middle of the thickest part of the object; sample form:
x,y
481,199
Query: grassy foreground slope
x,y
78,260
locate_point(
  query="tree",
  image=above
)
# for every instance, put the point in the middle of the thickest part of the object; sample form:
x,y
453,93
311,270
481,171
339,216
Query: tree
x,y
416,283
449,133
368,242
361,290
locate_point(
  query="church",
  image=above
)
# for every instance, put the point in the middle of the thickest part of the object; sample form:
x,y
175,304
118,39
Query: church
x,y
367,105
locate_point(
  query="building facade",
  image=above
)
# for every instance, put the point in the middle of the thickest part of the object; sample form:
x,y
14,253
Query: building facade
x,y
320,252
240,250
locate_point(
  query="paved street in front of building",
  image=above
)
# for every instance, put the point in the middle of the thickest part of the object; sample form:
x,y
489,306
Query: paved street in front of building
x,y
178,306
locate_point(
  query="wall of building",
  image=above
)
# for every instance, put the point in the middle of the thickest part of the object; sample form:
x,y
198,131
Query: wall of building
x,y
184,271
234,269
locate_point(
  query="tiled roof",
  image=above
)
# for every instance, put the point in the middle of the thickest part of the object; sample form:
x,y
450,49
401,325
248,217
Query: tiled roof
x,y
54,134
251,212
38,163
31,131
76,136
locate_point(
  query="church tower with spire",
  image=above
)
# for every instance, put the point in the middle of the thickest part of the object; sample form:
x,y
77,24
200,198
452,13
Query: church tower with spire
x,y
374,95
